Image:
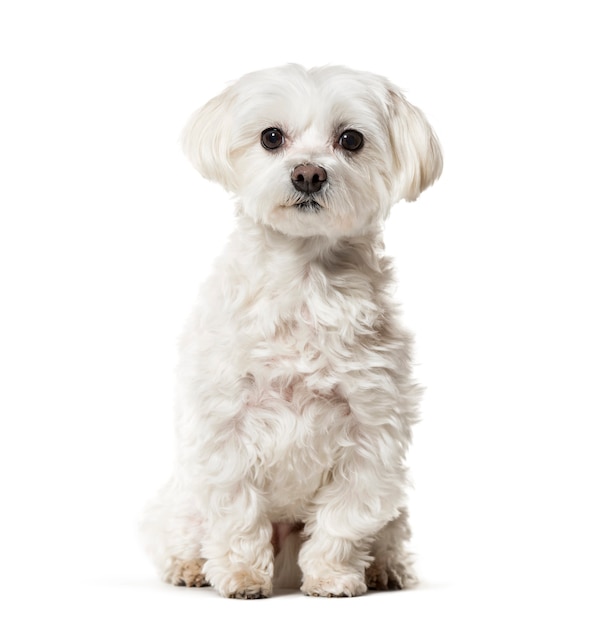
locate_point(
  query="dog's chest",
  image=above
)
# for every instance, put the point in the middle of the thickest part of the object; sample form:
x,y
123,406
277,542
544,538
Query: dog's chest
x,y
302,340
299,417
296,413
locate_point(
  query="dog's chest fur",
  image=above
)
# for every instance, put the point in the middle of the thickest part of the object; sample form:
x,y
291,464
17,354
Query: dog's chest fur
x,y
285,332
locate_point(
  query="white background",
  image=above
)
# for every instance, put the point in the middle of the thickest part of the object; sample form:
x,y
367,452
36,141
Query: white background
x,y
106,232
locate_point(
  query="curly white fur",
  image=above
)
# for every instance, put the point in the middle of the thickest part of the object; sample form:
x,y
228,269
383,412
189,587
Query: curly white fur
x,y
294,400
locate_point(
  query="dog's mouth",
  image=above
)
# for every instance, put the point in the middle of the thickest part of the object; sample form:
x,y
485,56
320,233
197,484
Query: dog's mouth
x,y
308,206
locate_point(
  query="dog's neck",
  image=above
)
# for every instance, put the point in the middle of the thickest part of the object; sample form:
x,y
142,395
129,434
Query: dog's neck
x,y
271,245
268,266
271,278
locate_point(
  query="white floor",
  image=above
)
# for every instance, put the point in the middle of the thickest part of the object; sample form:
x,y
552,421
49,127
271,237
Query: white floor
x,y
494,587
143,601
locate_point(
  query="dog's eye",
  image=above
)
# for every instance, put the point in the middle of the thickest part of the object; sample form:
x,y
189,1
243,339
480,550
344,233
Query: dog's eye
x,y
272,138
351,140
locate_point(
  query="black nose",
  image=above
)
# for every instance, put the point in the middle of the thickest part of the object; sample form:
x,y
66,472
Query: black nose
x,y
308,177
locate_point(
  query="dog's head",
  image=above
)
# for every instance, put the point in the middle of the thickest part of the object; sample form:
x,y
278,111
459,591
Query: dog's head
x,y
325,151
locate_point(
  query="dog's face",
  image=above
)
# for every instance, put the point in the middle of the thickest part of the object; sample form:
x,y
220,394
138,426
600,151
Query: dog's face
x,y
324,152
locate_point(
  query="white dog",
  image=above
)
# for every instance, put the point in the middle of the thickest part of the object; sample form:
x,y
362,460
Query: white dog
x,y
294,401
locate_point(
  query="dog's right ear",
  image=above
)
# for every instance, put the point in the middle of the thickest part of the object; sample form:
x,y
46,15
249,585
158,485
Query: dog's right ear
x,y
207,141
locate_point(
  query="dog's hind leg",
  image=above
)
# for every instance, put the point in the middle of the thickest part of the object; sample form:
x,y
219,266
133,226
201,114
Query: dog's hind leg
x,y
172,530
391,567
187,573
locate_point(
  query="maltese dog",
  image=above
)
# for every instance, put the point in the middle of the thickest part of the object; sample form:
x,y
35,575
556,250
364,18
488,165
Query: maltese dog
x,y
294,393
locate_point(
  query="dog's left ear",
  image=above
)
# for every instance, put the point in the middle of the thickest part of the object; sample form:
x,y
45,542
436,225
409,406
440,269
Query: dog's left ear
x,y
416,150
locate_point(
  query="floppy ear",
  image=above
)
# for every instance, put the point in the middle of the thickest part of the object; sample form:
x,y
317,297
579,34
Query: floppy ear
x,y
416,150
207,139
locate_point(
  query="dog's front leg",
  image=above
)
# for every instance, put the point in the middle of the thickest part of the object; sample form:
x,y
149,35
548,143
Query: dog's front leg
x,y
333,566
237,545
347,513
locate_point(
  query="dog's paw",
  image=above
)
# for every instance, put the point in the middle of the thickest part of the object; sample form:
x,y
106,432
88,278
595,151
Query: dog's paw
x,y
246,585
389,575
187,573
340,586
